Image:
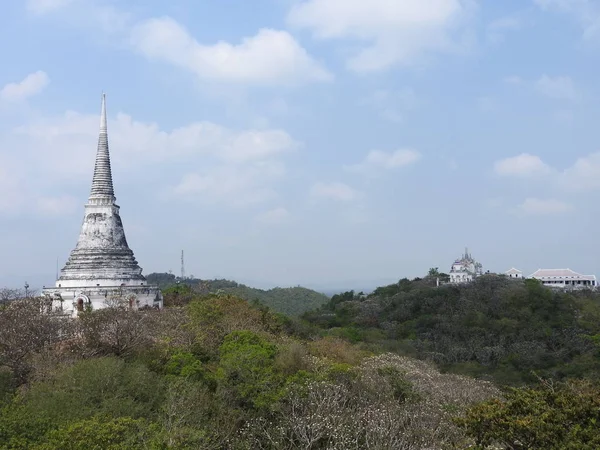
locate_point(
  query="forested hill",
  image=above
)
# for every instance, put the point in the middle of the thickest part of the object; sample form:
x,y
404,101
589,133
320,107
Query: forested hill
x,y
222,373
509,330
292,301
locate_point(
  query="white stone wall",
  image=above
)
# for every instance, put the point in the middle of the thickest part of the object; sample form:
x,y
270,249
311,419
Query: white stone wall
x,y
460,277
70,301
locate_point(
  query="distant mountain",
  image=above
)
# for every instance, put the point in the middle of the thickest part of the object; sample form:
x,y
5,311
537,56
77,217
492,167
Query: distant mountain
x,y
292,301
338,287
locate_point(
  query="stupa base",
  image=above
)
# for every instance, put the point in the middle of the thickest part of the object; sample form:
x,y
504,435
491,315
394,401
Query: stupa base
x,y
74,299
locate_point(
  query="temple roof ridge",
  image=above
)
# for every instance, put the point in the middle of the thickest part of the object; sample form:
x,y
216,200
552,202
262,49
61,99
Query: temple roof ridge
x,y
102,184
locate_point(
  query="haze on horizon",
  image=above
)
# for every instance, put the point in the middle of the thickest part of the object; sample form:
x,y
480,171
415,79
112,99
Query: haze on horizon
x,y
315,142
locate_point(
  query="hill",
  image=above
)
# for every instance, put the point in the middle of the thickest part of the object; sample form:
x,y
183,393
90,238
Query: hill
x,y
507,330
221,373
292,301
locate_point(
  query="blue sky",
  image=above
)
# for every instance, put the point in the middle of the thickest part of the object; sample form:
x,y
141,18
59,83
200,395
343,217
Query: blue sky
x,y
328,143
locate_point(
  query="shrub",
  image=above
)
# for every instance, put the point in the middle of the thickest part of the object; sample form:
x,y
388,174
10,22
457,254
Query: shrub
x,y
97,433
337,350
546,417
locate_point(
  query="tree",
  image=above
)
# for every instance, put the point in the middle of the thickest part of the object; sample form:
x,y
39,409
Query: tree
x,y
546,417
8,295
433,272
246,369
97,433
213,317
178,295
116,330
493,326
386,402
186,414
26,328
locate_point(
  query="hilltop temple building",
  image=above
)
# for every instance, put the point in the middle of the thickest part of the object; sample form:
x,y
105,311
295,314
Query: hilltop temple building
x,y
102,269
465,269
564,279
514,273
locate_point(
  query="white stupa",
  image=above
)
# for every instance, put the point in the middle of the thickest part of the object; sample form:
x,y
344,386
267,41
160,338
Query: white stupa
x,y
102,269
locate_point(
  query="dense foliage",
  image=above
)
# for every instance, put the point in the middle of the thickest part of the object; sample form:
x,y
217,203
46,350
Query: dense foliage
x,y
219,373
292,301
551,416
495,327
214,371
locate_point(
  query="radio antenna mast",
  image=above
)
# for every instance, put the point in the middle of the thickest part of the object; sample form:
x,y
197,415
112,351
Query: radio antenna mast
x,y
182,267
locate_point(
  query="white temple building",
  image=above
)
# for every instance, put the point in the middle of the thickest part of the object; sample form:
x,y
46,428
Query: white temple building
x,y
514,273
102,269
564,279
465,269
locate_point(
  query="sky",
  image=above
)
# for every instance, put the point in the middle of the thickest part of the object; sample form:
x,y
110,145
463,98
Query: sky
x,y
325,143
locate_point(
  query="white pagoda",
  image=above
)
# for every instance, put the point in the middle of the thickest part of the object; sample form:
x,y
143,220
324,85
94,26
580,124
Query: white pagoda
x,y
465,269
102,269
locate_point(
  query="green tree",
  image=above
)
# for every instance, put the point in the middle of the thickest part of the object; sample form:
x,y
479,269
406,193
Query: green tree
x,y
101,386
547,417
433,272
247,370
122,433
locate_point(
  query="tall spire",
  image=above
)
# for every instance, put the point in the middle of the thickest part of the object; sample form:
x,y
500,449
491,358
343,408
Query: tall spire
x,y
102,185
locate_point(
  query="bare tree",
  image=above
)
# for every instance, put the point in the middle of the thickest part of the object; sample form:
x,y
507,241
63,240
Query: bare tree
x,y
388,402
8,295
25,329
116,330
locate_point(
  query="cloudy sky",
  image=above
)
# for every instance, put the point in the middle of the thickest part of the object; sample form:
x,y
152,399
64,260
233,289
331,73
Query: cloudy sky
x,y
329,143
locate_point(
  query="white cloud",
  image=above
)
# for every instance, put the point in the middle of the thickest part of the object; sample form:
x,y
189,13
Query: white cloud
x,y
274,216
486,104
234,167
271,56
231,185
380,160
560,5
536,206
564,116
55,206
583,175
253,145
18,196
46,6
513,79
394,32
335,191
88,15
497,29
392,105
71,138
12,197
523,165
561,88
586,12
32,84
